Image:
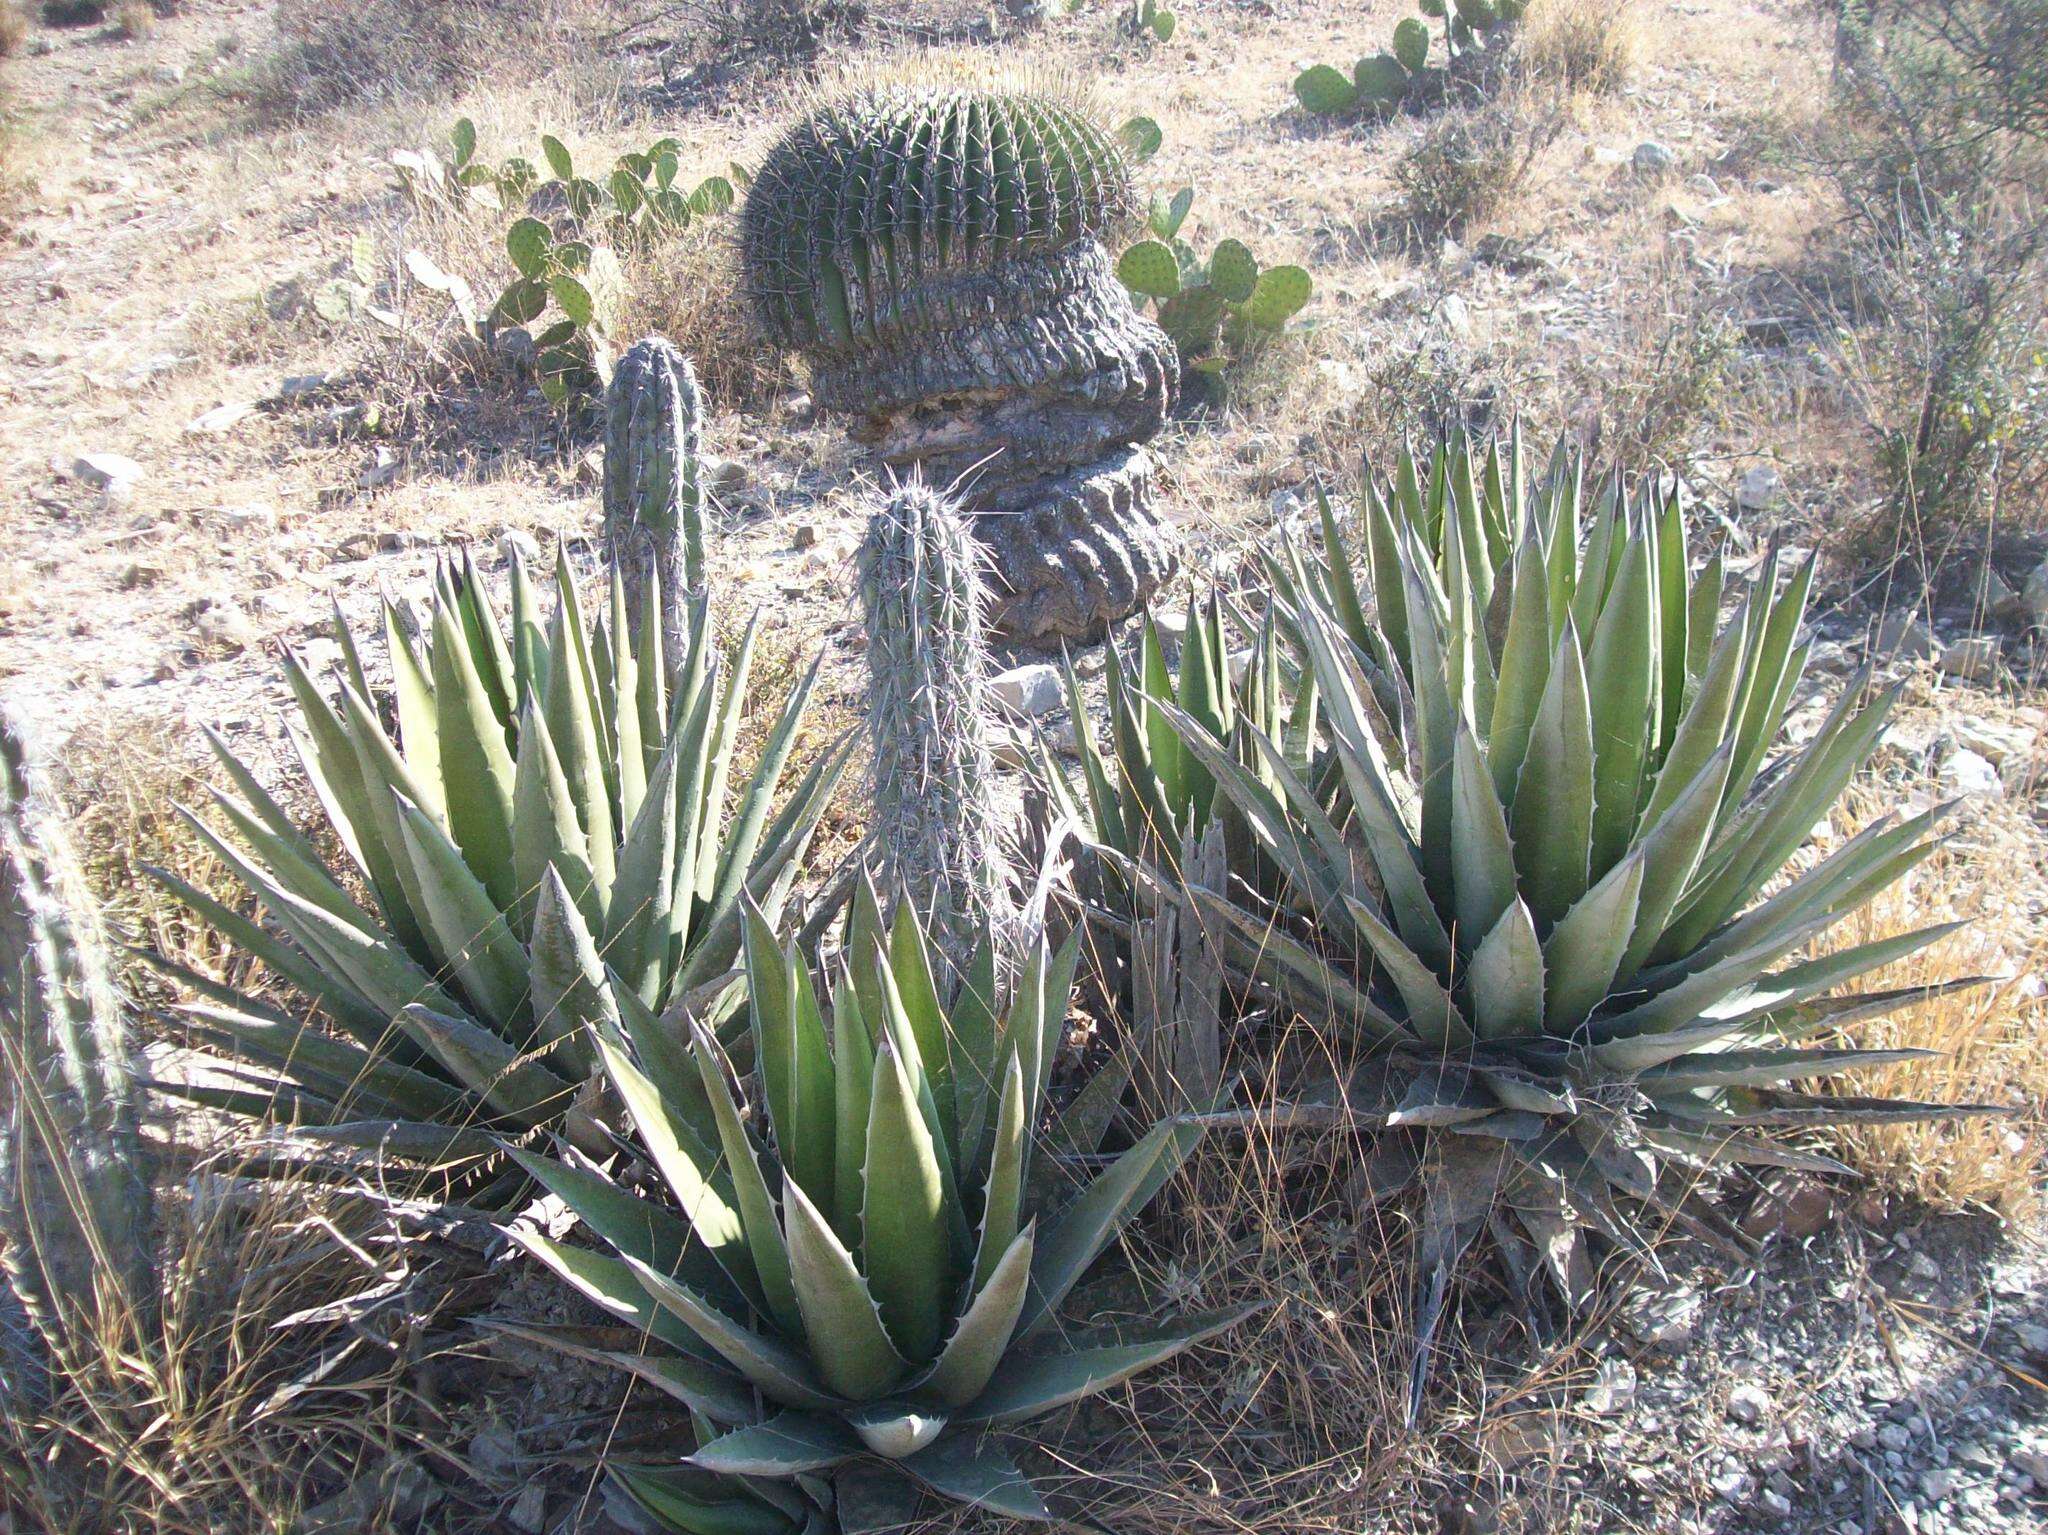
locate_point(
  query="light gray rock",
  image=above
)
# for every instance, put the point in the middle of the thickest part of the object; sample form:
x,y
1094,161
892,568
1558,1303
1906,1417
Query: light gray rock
x,y
1973,659
106,471
1652,158
2034,595
1029,690
517,543
1906,637
1747,1404
1758,488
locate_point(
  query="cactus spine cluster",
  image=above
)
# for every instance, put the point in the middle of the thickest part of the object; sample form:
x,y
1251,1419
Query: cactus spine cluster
x,y
74,1194
653,489
935,830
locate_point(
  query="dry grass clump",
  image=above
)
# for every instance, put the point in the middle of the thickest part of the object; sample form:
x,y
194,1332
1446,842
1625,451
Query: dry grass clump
x,y
13,27
1581,45
686,287
1467,165
134,20
233,1408
1992,1041
335,53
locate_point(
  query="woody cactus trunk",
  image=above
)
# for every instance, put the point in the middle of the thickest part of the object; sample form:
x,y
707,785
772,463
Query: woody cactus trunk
x,y
937,256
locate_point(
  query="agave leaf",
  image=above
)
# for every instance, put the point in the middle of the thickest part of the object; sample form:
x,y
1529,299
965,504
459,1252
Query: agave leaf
x,y
840,1321
547,834
518,1087
1641,1032
1461,1179
780,1372
571,714
689,1507
1030,1386
477,771
1482,858
470,931
904,1217
1433,1014
610,1283
1506,978
436,1146
765,1242
978,1473
910,969
571,997
702,1386
636,936
1622,684
1003,1199
384,775
984,1332
299,1050
1792,1111
1552,816
1671,851
1524,668
787,1444
1764,1067
745,837
348,1007
1710,1149
1072,1239
1585,948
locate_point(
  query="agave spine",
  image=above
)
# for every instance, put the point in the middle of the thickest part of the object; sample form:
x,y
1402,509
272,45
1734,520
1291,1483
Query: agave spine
x,y
653,490
75,1202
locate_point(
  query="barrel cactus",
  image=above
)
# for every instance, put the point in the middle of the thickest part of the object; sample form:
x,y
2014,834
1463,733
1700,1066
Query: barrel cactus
x,y
938,257
936,835
653,488
75,1205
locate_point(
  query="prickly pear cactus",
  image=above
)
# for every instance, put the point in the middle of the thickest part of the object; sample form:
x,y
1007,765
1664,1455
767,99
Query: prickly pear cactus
x,y
74,1194
935,836
653,492
938,257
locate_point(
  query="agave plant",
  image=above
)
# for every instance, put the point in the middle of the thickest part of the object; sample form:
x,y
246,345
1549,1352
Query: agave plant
x,y
873,1273
551,842
1545,899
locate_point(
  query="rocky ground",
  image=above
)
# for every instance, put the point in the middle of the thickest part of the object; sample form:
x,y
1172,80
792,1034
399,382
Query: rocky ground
x,y
185,482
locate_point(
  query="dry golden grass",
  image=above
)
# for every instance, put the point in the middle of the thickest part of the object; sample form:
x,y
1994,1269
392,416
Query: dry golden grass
x,y
133,20
1991,1042
1582,45
13,27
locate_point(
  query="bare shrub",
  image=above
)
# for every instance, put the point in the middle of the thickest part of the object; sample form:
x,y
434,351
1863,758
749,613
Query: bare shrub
x,y
1581,45
1468,164
13,27
774,29
334,53
134,19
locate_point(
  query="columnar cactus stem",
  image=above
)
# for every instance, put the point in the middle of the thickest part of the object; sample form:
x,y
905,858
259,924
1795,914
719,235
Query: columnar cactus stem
x,y
653,493
935,836
74,1196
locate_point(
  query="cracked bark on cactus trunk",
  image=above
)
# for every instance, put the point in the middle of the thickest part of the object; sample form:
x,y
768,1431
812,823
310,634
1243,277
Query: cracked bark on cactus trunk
x,y
1028,388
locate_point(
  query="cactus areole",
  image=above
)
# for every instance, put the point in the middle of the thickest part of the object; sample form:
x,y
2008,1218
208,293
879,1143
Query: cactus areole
x,y
938,258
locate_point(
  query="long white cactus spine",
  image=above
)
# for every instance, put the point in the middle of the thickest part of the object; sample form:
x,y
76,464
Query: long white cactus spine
x,y
74,1194
936,836
653,488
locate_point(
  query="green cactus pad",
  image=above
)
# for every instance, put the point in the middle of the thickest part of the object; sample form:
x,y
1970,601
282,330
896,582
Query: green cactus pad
x,y
1477,14
1191,320
1430,7
1163,25
1381,79
528,243
1149,268
875,194
1279,295
1140,138
1323,90
1411,43
557,156
1234,271
1168,214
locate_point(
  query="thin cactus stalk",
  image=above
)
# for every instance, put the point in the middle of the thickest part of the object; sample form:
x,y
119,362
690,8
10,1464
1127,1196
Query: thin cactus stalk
x,y
935,831
961,308
653,489
74,1192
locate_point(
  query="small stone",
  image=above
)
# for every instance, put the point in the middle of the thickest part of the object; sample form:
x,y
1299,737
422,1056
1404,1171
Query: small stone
x,y
529,1510
1008,750
1747,1405
382,470
1662,1318
224,626
2030,1461
2034,595
297,386
518,544
1457,316
1029,690
1791,1206
1905,637
1704,185
1731,1483
1758,488
1994,740
1894,1436
726,476
1613,1388
804,536
106,471
1974,659
220,418
1965,772
1652,158
1938,1484
1775,1503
